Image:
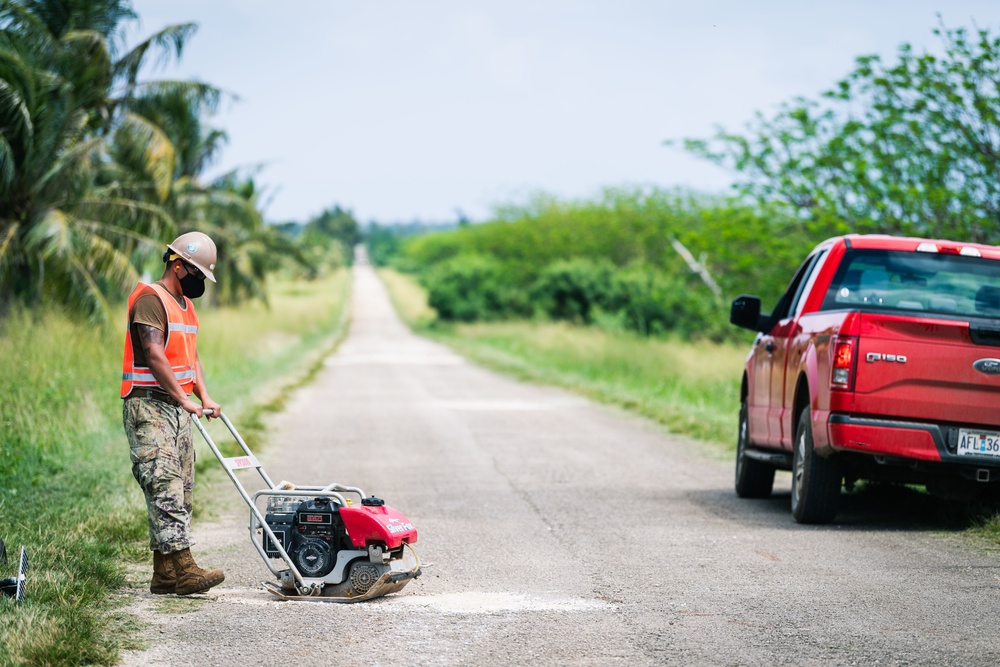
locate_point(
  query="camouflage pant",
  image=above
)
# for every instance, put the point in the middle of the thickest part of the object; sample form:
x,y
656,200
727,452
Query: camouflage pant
x,y
162,453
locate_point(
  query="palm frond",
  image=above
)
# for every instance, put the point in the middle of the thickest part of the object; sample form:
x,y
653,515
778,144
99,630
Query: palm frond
x,y
159,151
49,235
170,38
179,108
15,94
208,149
98,227
206,96
8,165
69,163
91,46
18,20
140,221
86,287
7,235
61,16
103,257
78,259
225,205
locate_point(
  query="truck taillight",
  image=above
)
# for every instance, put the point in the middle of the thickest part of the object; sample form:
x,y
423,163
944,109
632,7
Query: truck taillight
x,y
967,251
842,371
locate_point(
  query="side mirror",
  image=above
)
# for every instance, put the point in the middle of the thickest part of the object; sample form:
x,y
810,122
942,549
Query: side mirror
x,y
745,312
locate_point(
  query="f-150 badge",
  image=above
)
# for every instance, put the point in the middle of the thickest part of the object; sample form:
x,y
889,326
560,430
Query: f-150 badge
x,y
872,357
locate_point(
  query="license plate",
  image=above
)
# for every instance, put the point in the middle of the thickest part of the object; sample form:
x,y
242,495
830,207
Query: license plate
x,y
978,443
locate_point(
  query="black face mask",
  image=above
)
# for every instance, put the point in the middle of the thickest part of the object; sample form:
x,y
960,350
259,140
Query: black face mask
x,y
192,286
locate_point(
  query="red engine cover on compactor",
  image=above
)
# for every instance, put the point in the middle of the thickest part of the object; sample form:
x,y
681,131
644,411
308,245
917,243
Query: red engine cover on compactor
x,y
377,525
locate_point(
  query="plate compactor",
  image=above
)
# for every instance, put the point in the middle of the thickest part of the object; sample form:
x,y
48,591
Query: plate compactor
x,y
316,541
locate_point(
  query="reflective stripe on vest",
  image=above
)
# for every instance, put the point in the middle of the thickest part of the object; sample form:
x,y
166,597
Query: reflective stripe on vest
x,y
145,377
179,347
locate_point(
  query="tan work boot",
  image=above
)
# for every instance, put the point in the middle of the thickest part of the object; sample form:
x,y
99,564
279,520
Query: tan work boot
x,y
190,577
164,580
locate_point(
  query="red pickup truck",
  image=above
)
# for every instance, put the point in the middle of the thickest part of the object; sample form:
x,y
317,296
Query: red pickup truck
x,y
881,361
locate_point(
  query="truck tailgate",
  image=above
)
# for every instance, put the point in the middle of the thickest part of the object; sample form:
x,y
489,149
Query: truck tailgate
x,y
923,369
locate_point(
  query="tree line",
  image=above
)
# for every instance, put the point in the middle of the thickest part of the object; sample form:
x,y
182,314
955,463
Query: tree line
x,y
100,166
625,259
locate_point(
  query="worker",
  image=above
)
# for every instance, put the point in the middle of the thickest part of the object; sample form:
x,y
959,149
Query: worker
x,y
160,371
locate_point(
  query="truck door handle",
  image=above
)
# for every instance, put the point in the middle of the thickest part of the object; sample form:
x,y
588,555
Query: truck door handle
x,y
769,347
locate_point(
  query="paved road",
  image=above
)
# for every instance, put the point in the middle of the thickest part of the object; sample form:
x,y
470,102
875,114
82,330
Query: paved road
x,y
563,532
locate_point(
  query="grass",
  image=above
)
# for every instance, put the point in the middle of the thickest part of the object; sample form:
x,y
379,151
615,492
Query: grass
x,y
409,299
66,490
687,387
691,388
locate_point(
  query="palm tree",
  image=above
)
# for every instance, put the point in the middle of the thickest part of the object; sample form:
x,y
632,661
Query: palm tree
x,y
55,238
71,217
99,169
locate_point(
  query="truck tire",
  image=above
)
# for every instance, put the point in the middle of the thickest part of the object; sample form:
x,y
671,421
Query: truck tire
x,y
754,479
816,481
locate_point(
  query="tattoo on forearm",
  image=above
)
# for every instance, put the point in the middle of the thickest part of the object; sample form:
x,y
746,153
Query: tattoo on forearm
x,y
149,337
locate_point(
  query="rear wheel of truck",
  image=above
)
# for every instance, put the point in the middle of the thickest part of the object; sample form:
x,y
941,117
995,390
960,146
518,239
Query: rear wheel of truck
x,y
754,479
816,481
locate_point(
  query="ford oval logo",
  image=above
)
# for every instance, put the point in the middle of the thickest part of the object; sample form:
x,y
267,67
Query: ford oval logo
x,y
987,366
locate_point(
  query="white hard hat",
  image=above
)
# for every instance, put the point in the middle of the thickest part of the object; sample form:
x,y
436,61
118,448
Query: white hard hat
x,y
197,249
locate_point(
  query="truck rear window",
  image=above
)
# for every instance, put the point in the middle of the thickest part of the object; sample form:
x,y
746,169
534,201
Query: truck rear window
x,y
912,282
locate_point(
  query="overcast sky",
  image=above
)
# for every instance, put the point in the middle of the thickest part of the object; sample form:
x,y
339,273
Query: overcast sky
x,y
413,109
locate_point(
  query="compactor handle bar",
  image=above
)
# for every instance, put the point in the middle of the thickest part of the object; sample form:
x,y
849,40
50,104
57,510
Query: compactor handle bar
x,y
235,463
209,412
257,519
251,461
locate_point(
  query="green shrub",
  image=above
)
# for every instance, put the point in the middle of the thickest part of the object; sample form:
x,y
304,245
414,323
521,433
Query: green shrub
x,y
470,288
651,302
573,289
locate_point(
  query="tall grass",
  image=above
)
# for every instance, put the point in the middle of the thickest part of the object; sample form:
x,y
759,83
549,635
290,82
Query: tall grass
x,y
408,298
66,490
691,388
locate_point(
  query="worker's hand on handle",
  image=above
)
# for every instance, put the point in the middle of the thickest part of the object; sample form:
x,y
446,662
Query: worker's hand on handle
x,y
192,407
210,408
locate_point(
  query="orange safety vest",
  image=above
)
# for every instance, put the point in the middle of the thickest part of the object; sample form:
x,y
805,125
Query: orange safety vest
x,y
182,332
